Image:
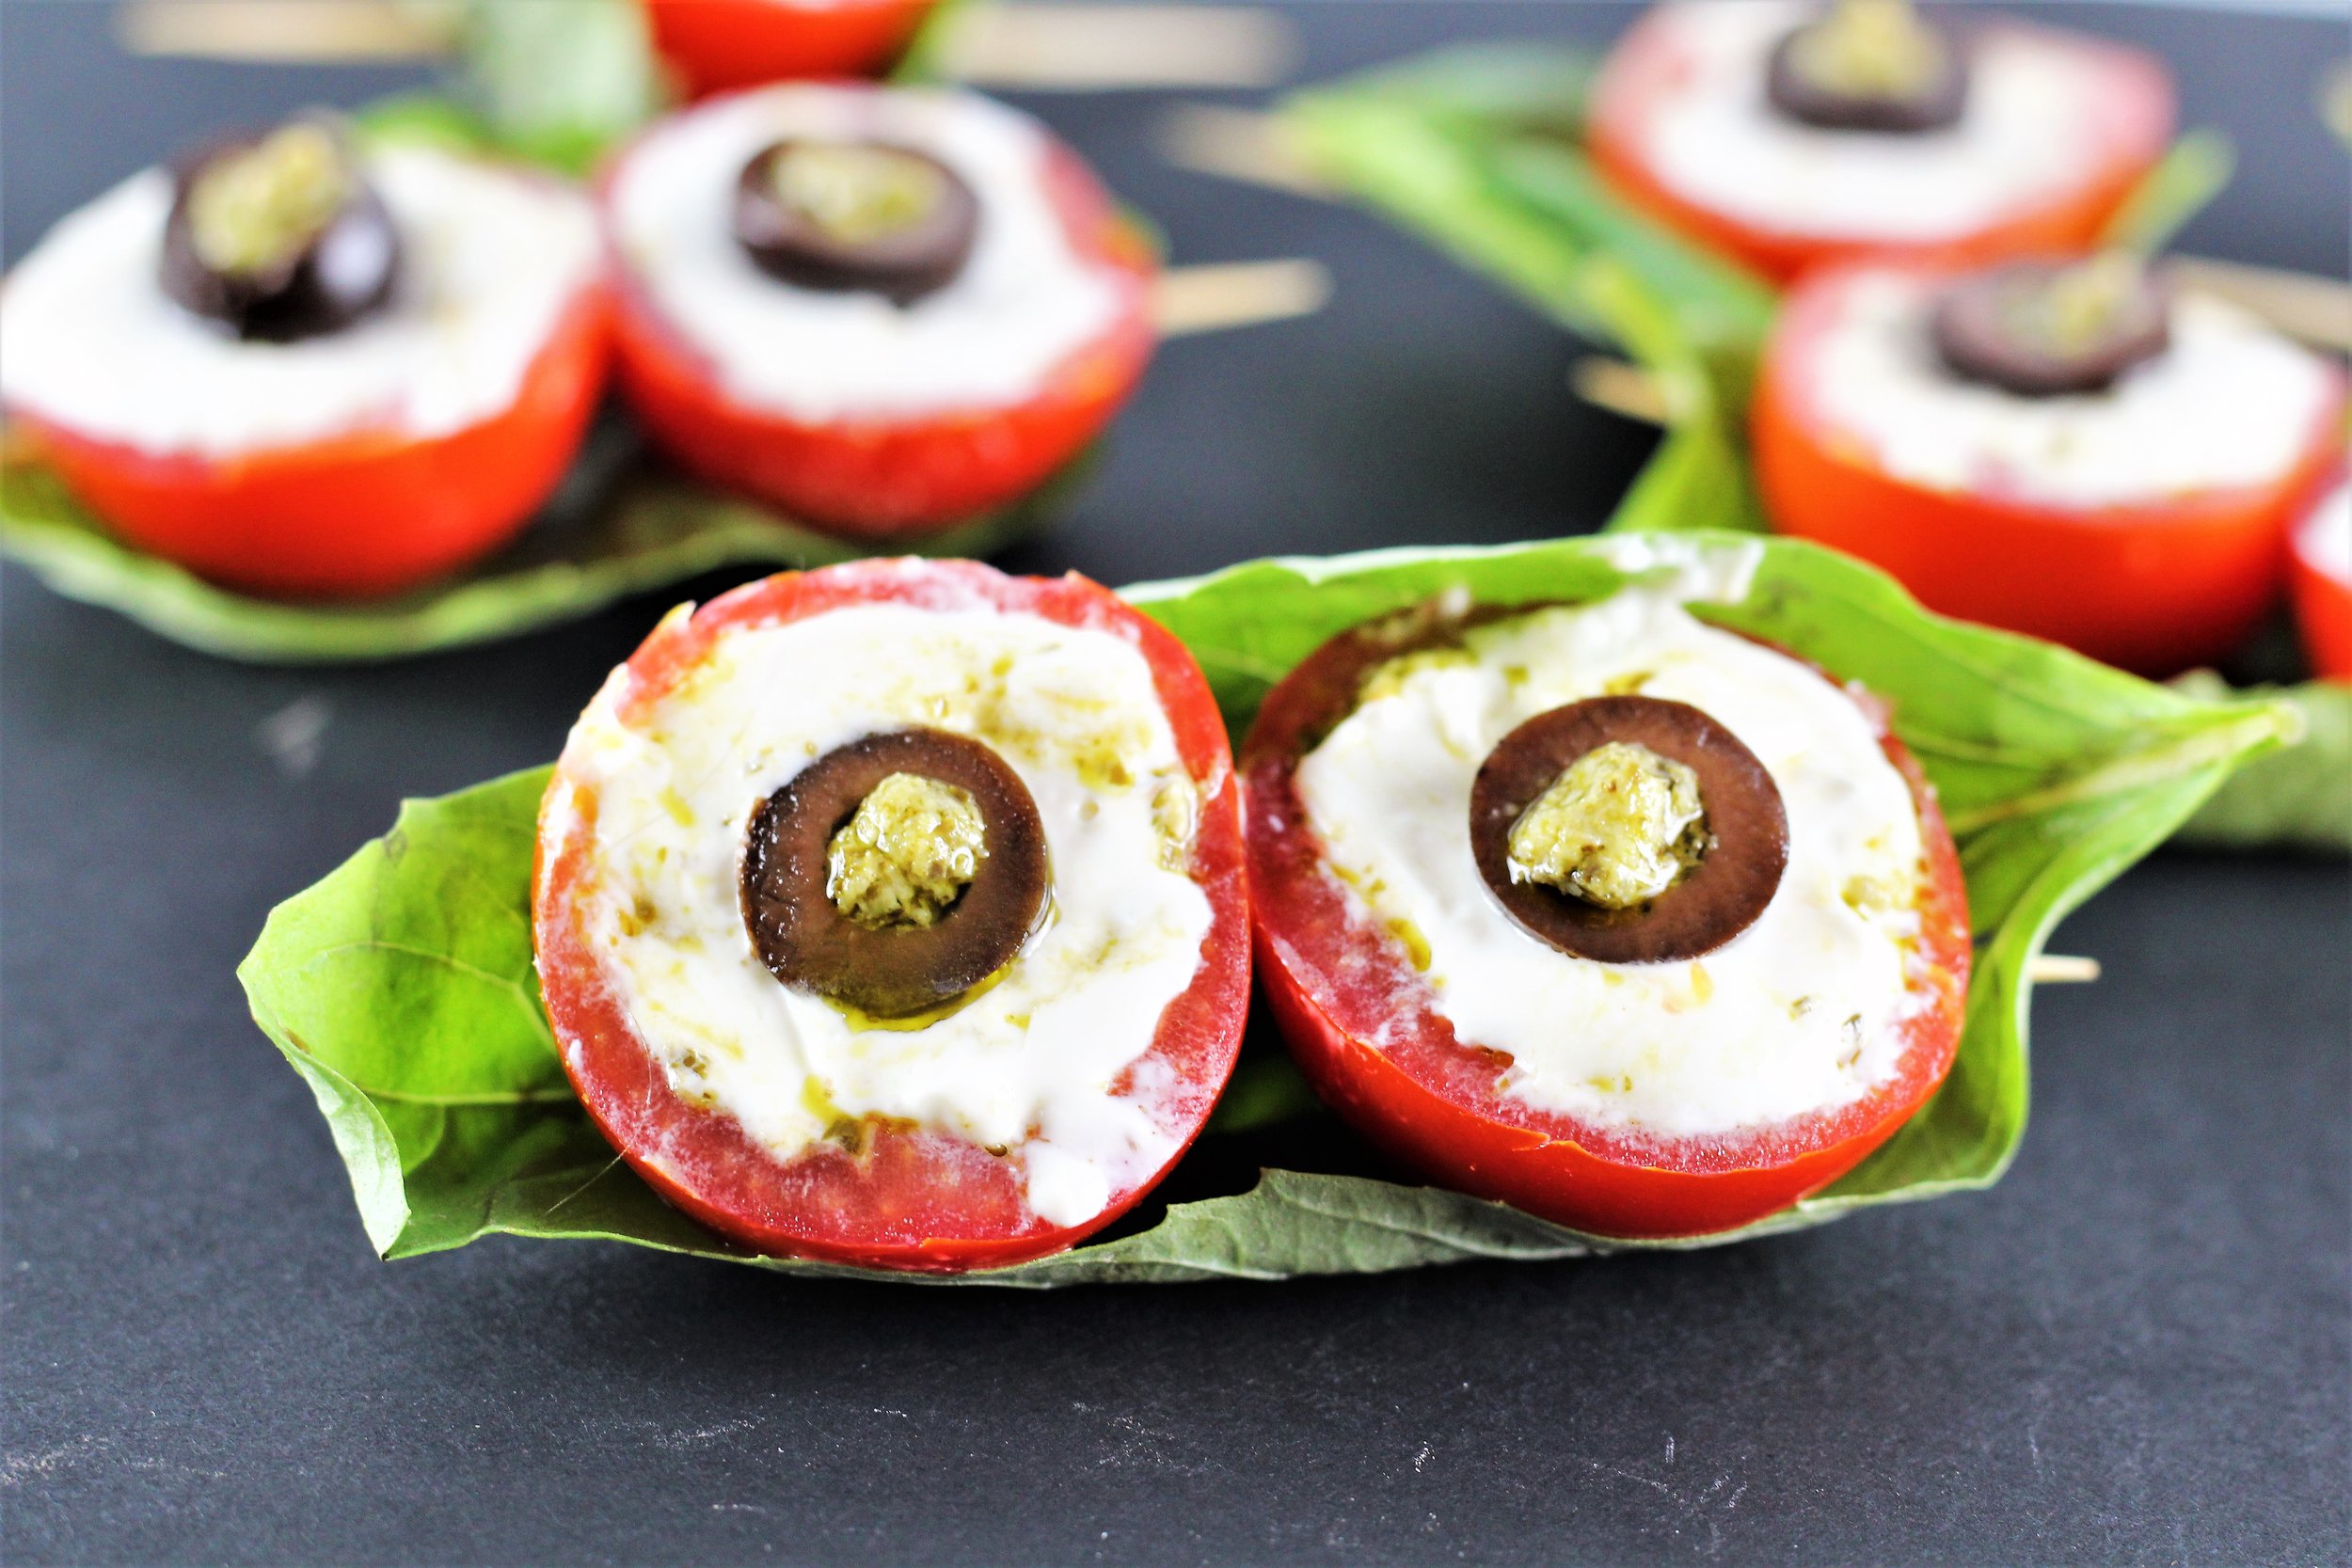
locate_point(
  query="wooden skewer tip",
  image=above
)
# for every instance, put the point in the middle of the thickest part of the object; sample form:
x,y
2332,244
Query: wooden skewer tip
x,y
1085,47
1190,300
1244,145
2062,969
1625,389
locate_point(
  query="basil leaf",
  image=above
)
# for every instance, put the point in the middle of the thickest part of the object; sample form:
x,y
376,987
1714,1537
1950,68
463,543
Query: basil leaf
x,y
558,82
2295,799
620,526
1525,88
1499,182
401,985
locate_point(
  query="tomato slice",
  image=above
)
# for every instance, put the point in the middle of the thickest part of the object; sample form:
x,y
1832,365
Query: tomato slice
x,y
913,1199
2321,592
1365,1027
2153,586
360,516
898,480
717,44
1651,65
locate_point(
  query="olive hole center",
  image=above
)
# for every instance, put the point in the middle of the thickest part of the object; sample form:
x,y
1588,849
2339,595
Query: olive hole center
x,y
1618,828
907,853
856,193
1870,49
255,208
2078,307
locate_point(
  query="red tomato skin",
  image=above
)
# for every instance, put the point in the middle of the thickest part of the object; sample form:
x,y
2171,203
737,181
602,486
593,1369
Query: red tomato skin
x,y
894,481
1332,980
358,515
715,46
2154,587
1646,63
912,1200
2323,612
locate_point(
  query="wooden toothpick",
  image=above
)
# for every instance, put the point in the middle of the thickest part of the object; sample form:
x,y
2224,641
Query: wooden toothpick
x,y
1244,145
1075,47
1190,300
2062,969
1047,47
287,31
2309,309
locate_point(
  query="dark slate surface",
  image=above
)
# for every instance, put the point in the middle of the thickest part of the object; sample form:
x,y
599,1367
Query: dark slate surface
x,y
2139,1348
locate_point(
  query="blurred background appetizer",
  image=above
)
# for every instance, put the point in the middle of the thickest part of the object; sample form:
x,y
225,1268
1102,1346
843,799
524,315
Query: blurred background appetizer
x,y
895,914
884,310
715,44
301,366
2074,450
1787,135
1640,926
2320,575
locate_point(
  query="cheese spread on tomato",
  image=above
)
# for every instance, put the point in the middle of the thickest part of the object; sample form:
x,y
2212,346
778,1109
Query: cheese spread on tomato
x,y
2031,130
1798,1013
2325,538
491,258
2228,403
1022,303
1050,1065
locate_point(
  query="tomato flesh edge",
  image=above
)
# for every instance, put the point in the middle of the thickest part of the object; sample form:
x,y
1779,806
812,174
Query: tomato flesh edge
x,y
1428,1099
1643,67
2155,587
910,1199
2323,611
885,479
716,45
351,517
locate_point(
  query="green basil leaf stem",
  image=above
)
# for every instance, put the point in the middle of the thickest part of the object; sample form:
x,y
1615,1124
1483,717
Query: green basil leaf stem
x,y
2184,183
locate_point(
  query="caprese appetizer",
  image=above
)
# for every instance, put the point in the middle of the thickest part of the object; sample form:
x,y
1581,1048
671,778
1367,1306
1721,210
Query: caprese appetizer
x,y
895,914
1638,925
2072,450
1789,135
884,310
716,44
302,367
2321,579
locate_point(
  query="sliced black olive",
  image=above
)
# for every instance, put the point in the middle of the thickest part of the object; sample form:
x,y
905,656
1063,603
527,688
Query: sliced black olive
x,y
280,237
1731,864
891,970
851,216
1869,65
2049,328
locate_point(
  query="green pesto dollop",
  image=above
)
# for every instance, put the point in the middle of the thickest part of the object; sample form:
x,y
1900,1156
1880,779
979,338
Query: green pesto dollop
x,y
906,856
856,192
2079,307
1869,49
254,208
1616,829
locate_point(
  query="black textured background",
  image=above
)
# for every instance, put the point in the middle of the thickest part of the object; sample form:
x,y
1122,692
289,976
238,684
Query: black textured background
x,y
2138,1349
